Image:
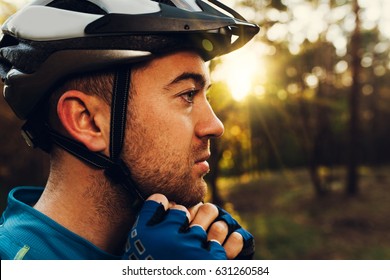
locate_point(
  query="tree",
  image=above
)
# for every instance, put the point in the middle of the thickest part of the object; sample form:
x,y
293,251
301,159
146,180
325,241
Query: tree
x,y
354,102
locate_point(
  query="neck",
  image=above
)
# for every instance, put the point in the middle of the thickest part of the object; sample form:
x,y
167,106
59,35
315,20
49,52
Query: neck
x,y
86,203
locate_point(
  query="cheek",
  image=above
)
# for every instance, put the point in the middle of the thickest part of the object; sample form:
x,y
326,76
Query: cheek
x,y
171,139
158,144
168,127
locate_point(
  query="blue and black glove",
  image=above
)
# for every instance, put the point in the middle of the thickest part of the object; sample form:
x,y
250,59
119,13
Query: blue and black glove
x,y
165,235
248,250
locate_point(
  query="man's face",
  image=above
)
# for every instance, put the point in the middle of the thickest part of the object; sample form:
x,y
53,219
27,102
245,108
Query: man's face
x,y
170,124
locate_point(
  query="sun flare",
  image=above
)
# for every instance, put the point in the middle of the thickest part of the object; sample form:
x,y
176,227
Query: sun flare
x,y
241,70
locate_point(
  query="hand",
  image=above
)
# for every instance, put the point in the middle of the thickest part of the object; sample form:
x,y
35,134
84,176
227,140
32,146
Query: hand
x,y
181,233
235,231
163,231
222,228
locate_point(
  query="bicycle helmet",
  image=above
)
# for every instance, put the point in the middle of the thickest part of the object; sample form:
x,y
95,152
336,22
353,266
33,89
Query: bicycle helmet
x,y
49,40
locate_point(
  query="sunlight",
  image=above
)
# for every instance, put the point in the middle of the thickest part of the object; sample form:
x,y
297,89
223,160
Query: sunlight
x,y
17,3
241,70
239,74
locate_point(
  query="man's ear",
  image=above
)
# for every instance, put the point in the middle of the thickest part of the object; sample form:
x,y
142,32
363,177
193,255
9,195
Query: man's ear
x,y
86,119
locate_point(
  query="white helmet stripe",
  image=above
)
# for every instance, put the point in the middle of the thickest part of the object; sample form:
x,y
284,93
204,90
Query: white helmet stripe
x,y
42,23
135,7
119,6
189,5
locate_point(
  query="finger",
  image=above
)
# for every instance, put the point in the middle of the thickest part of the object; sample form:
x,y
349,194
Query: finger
x,y
233,245
180,208
205,216
249,245
159,198
218,231
228,219
193,210
216,250
153,210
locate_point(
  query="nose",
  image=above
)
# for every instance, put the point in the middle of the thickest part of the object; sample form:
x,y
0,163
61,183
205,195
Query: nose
x,y
208,124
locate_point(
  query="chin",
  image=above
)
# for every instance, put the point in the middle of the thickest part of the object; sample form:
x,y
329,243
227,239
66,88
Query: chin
x,y
188,195
198,195
191,197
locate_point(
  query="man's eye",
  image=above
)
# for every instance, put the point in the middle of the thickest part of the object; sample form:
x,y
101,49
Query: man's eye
x,y
189,96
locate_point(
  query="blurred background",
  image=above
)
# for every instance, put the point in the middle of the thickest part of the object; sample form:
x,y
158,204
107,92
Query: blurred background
x,y
304,162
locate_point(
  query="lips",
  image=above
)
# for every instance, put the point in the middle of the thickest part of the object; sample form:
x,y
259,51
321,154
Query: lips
x,y
203,158
202,164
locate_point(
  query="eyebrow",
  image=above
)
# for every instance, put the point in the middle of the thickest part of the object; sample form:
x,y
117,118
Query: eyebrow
x,y
198,78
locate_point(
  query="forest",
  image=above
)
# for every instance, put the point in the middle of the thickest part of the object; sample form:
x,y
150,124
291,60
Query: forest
x,y
304,162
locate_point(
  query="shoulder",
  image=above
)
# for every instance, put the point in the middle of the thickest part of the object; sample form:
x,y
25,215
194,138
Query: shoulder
x,y
26,233
14,230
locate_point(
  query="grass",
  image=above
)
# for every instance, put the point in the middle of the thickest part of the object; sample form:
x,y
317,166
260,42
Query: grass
x,y
290,222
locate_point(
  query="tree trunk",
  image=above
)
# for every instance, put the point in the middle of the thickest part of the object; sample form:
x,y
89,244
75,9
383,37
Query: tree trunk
x,y
214,171
354,101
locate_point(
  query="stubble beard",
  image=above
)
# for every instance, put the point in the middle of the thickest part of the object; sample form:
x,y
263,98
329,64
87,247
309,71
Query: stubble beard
x,y
156,169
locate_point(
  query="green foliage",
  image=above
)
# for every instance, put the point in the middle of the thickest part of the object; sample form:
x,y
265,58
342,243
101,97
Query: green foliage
x,y
280,237
289,222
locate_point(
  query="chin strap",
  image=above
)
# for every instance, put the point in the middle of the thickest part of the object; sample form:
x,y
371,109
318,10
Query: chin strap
x,y
38,134
119,172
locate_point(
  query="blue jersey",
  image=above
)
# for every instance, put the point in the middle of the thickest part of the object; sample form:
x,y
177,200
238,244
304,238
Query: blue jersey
x,y
26,233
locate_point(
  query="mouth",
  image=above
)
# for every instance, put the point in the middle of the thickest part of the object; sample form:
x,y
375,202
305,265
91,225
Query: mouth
x,y
202,164
203,158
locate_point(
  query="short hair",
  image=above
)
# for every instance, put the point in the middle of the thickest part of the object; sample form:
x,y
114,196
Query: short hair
x,y
99,83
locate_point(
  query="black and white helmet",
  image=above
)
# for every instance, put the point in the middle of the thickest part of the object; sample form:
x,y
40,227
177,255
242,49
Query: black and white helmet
x,y
50,40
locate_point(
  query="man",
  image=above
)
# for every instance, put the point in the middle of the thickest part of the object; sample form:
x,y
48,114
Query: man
x,y
116,92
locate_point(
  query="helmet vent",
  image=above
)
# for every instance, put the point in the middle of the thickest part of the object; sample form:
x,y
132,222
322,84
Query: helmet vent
x,y
189,5
166,2
77,6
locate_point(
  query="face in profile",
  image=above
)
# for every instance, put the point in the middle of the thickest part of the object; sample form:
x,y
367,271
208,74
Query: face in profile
x,y
169,127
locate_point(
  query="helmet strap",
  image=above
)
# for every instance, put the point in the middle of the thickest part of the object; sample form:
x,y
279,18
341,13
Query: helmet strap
x,y
119,172
120,96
